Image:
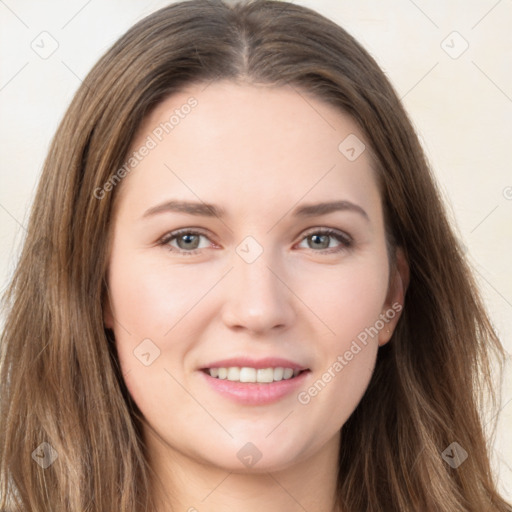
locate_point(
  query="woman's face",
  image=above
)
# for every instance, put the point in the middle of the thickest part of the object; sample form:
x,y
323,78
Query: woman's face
x,y
254,281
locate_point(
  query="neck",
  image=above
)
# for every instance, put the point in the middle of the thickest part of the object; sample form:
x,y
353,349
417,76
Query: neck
x,y
188,484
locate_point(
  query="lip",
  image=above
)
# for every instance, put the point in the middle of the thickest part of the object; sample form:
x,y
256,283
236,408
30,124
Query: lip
x,y
253,393
267,362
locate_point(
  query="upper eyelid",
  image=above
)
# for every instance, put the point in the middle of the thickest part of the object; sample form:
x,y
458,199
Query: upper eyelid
x,y
329,231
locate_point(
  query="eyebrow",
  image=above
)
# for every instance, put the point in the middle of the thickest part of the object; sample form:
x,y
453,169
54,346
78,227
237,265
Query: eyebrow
x,y
211,210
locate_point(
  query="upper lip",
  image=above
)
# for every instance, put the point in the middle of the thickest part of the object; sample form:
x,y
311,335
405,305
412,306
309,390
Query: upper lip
x,y
267,362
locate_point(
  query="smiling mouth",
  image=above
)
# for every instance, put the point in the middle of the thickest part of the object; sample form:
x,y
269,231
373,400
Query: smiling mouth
x,y
258,375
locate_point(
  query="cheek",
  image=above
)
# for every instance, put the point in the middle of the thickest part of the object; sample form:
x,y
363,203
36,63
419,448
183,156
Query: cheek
x,y
147,299
158,310
348,299
147,303
144,308
339,389
349,304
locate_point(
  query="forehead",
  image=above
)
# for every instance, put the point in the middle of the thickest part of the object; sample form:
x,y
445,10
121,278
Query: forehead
x,y
250,144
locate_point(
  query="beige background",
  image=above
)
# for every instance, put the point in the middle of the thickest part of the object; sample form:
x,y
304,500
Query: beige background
x,y
460,100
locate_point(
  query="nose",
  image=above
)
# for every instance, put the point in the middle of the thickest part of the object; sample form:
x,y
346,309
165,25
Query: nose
x,y
258,299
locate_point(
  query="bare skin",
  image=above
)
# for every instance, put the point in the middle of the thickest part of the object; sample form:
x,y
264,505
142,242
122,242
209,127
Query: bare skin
x,y
259,153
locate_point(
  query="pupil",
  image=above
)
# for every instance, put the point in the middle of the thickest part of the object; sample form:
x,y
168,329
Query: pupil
x,y
187,240
325,245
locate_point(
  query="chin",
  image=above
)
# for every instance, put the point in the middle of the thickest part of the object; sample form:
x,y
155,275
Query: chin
x,y
258,454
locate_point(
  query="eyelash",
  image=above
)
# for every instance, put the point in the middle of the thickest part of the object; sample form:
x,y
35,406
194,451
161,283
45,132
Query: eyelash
x,y
345,240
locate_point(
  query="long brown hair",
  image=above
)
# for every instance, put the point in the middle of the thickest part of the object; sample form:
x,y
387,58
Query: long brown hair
x,y
60,379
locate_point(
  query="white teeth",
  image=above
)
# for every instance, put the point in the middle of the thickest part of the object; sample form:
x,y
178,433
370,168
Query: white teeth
x,y
246,374
233,373
278,373
265,375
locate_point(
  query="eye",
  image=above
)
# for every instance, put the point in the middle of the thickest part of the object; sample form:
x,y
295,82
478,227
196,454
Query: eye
x,y
322,238
187,241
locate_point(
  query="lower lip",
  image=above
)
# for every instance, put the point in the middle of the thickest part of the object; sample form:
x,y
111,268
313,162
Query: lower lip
x,y
253,393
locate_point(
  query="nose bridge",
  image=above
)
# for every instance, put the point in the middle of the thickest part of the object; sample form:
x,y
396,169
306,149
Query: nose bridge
x,y
257,299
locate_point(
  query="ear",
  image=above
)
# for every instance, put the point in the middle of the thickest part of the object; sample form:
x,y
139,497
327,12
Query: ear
x,y
394,304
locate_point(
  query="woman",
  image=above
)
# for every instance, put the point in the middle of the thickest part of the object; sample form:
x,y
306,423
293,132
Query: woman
x,y
239,287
